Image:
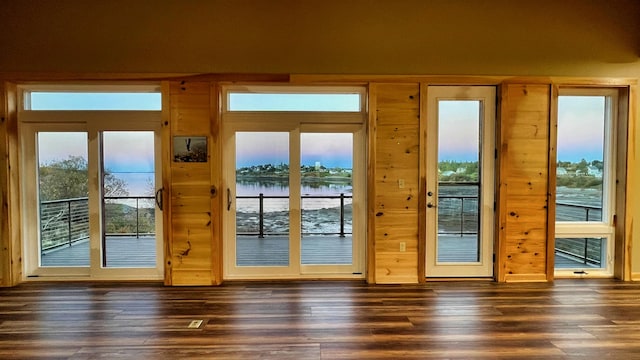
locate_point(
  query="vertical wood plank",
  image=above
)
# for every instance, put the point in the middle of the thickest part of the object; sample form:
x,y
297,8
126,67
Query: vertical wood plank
x,y
216,192
191,220
422,191
523,183
396,180
371,184
167,230
626,189
10,241
551,196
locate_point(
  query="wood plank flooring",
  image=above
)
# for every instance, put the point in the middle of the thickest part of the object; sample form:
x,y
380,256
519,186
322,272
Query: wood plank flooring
x,y
570,319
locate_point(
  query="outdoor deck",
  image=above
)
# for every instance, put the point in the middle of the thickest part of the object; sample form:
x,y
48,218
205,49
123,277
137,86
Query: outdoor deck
x,y
254,251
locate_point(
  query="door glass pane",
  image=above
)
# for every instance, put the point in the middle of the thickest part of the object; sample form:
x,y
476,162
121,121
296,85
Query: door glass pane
x,y
580,253
63,198
581,162
262,198
327,192
128,188
458,181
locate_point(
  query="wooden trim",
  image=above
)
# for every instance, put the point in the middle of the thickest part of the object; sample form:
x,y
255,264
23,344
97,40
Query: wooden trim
x,y
551,182
525,278
340,79
143,77
422,187
501,190
5,244
464,79
10,240
215,159
627,168
371,184
167,231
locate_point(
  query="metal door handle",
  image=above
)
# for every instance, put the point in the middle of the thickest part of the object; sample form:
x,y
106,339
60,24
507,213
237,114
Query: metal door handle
x,y
159,198
228,199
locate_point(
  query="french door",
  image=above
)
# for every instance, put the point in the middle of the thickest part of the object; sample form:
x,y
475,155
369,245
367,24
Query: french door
x,y
90,209
293,199
460,183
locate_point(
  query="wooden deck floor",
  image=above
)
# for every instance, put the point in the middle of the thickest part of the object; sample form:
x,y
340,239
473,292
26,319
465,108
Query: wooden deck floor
x,y
569,319
269,251
121,251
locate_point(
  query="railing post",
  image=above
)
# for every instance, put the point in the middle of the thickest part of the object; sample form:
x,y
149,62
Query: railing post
x,y
261,216
341,215
69,220
137,218
461,216
587,210
586,249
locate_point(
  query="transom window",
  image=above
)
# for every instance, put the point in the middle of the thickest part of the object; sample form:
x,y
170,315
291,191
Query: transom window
x,y
294,99
92,98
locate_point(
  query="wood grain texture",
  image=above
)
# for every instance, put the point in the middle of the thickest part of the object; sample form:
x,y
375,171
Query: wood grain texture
x,y
581,319
191,247
396,181
10,209
523,184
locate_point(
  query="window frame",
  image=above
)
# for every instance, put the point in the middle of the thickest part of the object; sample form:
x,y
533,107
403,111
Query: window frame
x,y
607,226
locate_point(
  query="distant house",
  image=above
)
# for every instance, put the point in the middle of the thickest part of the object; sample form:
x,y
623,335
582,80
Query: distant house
x,y
561,171
594,171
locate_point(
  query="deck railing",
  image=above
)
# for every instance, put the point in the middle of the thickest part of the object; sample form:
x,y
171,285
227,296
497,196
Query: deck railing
x,y
66,221
342,221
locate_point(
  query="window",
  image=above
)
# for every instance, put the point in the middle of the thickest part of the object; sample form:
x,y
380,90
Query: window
x,y
92,98
295,99
585,181
89,177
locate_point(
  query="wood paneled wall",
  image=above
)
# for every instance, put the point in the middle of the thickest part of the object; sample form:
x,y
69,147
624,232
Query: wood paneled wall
x,y
394,139
523,184
10,234
191,198
193,204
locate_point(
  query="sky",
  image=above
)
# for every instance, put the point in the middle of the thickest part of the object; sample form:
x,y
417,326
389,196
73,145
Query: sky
x,y
580,132
580,128
128,155
458,130
331,150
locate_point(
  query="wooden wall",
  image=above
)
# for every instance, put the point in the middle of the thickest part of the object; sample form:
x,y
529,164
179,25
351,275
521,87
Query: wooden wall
x,y
394,130
193,202
191,211
523,183
10,234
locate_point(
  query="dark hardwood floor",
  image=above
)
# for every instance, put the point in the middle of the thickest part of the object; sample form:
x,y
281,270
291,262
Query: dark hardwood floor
x,y
581,319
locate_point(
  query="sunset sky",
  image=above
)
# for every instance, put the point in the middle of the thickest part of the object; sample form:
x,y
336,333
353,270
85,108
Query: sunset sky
x,y
580,135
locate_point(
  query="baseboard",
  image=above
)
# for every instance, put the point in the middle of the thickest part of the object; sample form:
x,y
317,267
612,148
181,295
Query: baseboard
x,y
525,278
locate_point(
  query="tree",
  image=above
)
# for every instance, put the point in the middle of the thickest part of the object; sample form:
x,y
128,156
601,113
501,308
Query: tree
x,y
68,179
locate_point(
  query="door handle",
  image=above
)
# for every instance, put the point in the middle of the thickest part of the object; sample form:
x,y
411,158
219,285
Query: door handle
x,y
159,198
228,199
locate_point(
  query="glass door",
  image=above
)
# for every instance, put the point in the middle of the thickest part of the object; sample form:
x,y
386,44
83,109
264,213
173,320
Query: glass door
x,y
262,199
293,170
460,154
327,198
128,199
88,197
63,198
